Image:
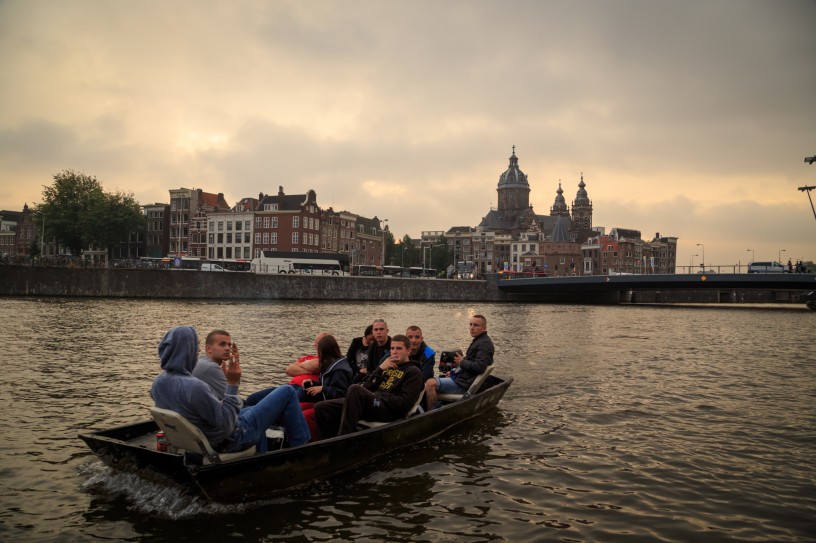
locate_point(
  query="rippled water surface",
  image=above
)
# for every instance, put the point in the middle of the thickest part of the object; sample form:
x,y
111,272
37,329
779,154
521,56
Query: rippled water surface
x,y
622,424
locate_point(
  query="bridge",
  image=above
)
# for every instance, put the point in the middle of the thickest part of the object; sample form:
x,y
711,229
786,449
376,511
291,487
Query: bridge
x,y
670,288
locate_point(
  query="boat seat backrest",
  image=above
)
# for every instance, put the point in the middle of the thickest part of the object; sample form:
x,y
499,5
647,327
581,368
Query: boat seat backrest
x,y
417,407
474,387
183,434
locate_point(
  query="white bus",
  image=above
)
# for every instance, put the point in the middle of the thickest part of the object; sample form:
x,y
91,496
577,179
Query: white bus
x,y
303,263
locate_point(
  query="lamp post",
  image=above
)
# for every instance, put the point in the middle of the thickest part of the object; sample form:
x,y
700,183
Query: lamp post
x,y
779,256
702,261
752,255
383,242
691,265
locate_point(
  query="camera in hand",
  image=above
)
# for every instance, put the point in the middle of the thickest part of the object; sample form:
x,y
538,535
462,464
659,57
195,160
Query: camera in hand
x,y
447,361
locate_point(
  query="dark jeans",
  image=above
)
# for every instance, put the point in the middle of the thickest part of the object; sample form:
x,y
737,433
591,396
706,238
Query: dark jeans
x,y
340,416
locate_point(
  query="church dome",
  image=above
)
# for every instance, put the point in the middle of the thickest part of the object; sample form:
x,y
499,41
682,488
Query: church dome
x,y
513,177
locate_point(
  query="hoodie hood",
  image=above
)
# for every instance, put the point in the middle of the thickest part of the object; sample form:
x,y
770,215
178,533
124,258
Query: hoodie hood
x,y
178,349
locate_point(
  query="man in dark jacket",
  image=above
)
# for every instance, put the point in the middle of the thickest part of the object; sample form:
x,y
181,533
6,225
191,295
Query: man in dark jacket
x,y
422,356
379,349
478,357
388,392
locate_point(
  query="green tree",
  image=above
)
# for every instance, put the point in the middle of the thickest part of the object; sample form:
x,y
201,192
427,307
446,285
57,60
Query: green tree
x,y
390,248
440,257
78,214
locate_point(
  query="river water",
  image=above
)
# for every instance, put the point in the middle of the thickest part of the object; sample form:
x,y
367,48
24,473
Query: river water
x,y
625,423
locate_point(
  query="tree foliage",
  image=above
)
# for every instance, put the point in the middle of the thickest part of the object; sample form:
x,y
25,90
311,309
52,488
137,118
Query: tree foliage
x,y
79,214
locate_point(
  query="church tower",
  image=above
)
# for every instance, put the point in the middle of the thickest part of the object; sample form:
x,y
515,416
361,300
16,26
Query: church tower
x,y
581,209
559,208
513,189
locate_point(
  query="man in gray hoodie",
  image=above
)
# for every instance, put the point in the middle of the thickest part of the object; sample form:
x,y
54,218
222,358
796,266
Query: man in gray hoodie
x,y
227,427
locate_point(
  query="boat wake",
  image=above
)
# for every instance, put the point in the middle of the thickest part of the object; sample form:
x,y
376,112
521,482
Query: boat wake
x,y
160,499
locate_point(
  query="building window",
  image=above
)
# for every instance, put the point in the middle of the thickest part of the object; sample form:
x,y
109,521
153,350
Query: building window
x,y
274,238
266,222
295,222
274,222
257,222
294,237
257,238
266,238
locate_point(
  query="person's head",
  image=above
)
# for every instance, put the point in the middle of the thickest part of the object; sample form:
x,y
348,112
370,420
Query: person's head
x,y
327,352
379,329
178,349
401,347
368,335
478,325
218,345
318,337
414,334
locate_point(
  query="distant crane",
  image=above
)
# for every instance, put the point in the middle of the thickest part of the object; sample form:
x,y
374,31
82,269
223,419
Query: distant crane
x,y
810,160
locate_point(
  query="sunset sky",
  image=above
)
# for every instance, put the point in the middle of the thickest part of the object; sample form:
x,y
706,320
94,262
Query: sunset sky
x,y
688,118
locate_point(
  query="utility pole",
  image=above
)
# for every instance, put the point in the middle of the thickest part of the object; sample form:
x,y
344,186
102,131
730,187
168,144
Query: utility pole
x,y
810,160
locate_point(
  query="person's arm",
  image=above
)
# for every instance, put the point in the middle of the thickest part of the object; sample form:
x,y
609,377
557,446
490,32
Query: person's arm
x,y
427,367
409,390
337,385
480,358
299,368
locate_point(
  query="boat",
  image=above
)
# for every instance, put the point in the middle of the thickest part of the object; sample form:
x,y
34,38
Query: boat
x,y
133,448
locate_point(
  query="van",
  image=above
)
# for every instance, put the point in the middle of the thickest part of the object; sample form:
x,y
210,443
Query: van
x,y
766,267
210,266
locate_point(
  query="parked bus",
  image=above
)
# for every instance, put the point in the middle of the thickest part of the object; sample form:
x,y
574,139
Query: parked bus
x,y
367,270
305,263
392,271
228,264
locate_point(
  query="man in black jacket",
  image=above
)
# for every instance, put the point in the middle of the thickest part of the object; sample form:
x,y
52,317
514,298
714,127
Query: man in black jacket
x,y
387,394
478,357
377,350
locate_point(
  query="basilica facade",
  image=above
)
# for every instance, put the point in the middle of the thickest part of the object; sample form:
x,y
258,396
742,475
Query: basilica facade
x,y
513,238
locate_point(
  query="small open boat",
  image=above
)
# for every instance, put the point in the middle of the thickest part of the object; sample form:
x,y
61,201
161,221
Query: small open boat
x,y
133,448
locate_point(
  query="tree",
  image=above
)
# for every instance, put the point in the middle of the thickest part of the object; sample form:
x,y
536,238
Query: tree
x,y
78,214
440,256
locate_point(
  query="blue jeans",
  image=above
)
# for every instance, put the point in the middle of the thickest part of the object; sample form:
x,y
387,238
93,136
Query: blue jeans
x,y
279,407
256,397
446,385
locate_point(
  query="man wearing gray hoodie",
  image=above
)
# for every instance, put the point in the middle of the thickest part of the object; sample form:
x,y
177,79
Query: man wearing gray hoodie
x,y
227,427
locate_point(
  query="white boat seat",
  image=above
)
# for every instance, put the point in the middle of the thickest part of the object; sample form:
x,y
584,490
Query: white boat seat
x,y
474,387
183,434
417,407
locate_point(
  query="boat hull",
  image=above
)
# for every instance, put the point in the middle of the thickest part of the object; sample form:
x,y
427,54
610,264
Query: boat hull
x,y
263,475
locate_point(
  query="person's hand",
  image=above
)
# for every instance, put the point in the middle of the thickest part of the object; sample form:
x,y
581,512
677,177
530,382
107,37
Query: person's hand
x,y
232,368
457,358
389,363
314,390
363,370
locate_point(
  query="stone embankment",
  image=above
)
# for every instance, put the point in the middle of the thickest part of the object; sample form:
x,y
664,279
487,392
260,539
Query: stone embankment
x,y
132,283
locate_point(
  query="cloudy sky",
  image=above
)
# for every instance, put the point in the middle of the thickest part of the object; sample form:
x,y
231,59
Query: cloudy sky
x,y
688,118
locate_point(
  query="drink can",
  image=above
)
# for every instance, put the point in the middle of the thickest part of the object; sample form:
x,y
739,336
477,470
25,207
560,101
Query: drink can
x,y
161,442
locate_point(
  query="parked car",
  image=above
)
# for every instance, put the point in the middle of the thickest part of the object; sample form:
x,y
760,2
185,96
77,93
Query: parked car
x,y
766,267
209,266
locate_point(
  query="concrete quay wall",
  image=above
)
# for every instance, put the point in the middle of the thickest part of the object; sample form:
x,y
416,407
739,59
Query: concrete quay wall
x,y
132,283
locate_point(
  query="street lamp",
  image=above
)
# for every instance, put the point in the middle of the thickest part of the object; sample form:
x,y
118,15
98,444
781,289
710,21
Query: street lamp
x,y
779,256
383,242
691,266
752,254
702,262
